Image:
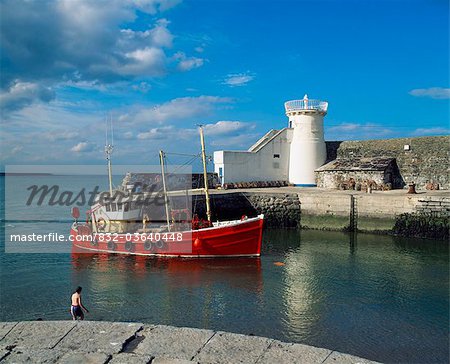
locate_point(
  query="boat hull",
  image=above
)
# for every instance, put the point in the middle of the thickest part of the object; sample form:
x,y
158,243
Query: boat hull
x,y
236,239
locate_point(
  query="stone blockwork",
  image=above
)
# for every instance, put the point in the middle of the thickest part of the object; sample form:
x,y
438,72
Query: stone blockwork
x,y
324,209
426,160
279,209
134,343
376,212
434,206
430,219
359,173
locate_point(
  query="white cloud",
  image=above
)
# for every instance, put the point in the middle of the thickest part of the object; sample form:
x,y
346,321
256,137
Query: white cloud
x,y
52,133
177,109
231,134
242,141
11,152
158,36
21,94
81,147
80,136
167,132
220,134
190,63
53,44
84,44
143,87
228,127
148,61
85,84
155,133
146,56
431,131
199,49
238,79
61,135
128,135
433,92
187,63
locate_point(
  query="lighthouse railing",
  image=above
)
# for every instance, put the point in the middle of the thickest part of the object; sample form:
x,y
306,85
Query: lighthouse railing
x,y
306,104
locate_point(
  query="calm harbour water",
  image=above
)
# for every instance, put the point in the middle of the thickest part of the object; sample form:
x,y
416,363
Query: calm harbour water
x,y
378,297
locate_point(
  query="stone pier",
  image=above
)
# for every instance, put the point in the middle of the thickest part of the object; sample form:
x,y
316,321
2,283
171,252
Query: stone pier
x,y
117,342
323,209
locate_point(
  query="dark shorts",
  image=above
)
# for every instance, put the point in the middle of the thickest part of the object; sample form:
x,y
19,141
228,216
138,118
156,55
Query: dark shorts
x,y
76,311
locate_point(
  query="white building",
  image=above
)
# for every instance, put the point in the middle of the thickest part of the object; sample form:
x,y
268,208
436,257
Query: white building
x,y
291,154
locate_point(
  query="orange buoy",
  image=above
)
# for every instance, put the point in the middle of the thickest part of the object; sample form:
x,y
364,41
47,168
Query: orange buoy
x,y
279,264
197,243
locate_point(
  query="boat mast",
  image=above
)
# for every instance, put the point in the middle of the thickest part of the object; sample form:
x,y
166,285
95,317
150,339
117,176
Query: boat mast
x,y
108,151
205,174
166,198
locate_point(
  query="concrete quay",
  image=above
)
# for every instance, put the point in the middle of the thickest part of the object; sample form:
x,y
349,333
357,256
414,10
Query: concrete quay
x,y
119,342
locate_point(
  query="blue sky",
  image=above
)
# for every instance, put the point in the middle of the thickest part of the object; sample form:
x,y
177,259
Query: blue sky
x,y
161,66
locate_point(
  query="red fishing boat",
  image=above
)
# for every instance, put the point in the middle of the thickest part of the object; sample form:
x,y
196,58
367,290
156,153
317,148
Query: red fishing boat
x,y
122,227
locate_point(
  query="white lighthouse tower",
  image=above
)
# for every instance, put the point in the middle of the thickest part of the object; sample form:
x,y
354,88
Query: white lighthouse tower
x,y
308,151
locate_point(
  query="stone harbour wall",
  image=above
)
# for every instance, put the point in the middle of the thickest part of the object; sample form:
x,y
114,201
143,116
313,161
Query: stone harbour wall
x,y
280,210
427,160
434,207
377,212
422,225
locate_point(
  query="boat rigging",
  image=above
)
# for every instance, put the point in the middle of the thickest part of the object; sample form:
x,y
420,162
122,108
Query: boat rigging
x,y
115,226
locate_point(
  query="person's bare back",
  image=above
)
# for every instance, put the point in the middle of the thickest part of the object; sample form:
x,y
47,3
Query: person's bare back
x,y
76,299
77,306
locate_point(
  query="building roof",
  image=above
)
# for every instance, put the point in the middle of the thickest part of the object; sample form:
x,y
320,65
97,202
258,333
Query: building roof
x,y
357,164
263,140
266,139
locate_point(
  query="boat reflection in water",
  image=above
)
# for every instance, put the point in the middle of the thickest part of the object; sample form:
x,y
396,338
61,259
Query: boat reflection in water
x,y
183,292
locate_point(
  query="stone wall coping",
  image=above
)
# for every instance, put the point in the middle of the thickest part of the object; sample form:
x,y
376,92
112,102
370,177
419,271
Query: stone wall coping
x,y
305,191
